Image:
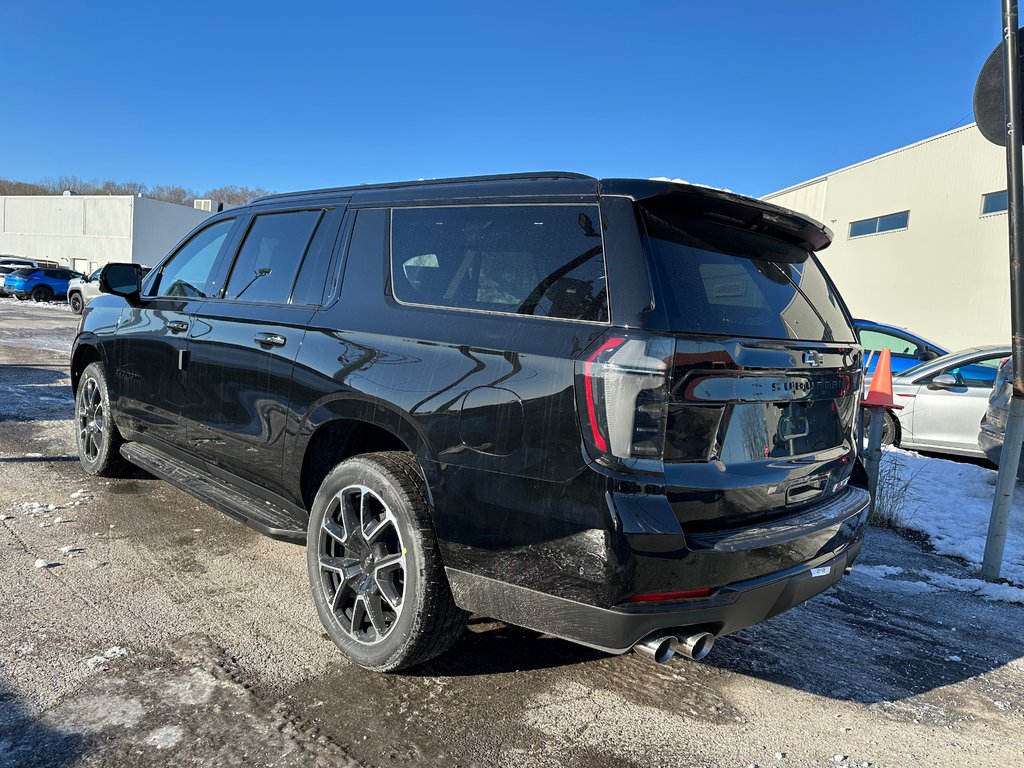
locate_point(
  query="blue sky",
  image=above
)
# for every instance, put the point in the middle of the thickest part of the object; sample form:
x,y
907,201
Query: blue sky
x,y
752,96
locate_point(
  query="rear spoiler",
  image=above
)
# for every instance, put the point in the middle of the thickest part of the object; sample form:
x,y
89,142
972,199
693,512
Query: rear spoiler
x,y
736,210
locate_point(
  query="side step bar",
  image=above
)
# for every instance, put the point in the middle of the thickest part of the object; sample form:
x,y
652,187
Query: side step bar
x,y
269,519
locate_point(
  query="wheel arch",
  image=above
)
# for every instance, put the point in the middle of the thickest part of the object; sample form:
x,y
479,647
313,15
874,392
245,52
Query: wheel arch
x,y
343,428
81,358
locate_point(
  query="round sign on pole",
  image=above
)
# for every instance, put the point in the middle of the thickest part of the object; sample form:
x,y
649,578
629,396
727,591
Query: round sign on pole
x,y
989,110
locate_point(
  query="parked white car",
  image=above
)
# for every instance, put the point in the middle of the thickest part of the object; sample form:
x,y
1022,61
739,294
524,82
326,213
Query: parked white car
x,y
943,401
84,290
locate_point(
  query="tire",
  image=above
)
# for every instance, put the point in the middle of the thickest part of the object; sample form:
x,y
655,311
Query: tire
x,y
42,293
890,430
21,297
76,302
373,510
99,441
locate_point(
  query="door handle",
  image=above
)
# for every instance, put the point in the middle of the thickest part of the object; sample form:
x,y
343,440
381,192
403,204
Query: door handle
x,y
177,326
270,339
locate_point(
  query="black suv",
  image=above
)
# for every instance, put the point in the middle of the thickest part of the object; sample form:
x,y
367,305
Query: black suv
x,y
617,411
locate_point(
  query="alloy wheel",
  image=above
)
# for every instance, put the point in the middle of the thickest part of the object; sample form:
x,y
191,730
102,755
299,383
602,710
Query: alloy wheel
x,y
91,419
362,564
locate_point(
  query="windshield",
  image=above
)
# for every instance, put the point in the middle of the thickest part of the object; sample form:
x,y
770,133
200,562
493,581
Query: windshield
x,y
719,279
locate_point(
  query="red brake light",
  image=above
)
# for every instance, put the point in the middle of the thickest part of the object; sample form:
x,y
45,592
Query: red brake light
x,y
595,432
622,396
655,597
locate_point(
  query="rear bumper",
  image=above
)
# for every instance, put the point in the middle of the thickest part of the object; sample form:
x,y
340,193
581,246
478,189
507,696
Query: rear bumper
x,y
617,630
810,553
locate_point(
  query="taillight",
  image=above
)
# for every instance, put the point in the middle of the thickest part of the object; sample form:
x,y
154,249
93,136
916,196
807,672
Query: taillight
x,y
622,383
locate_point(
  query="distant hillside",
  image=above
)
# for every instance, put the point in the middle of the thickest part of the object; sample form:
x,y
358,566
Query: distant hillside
x,y
170,194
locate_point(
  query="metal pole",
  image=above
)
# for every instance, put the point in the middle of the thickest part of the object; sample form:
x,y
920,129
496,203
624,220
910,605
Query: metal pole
x,y
873,454
1014,433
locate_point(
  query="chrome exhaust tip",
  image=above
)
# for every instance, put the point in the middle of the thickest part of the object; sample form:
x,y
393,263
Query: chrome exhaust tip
x,y
695,646
661,648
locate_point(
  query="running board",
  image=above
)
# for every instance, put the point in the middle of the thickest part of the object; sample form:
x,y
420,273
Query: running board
x,y
269,519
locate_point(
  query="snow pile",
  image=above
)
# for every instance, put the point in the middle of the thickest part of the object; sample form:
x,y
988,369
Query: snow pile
x,y
951,502
933,581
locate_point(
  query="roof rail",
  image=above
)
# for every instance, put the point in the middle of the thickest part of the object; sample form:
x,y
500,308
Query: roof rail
x,y
430,182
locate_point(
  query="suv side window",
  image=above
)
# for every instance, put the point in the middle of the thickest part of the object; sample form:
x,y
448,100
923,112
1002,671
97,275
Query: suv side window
x,y
189,273
876,341
977,373
269,258
541,260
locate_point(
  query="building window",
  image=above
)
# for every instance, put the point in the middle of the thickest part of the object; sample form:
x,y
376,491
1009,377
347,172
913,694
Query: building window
x,y
993,202
880,224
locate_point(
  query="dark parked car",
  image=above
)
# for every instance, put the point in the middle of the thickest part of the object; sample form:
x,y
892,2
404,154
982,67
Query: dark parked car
x,y
993,422
39,284
907,349
617,411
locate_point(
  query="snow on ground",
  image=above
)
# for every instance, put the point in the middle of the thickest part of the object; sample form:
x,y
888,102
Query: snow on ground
x,y
933,581
950,502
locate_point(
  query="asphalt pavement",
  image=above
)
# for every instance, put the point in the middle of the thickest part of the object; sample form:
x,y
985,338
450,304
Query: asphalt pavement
x,y
140,626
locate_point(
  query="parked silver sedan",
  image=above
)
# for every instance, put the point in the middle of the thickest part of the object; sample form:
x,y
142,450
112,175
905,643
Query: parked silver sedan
x,y
943,401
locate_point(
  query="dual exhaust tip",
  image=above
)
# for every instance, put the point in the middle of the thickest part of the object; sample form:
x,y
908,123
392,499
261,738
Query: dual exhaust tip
x,y
661,648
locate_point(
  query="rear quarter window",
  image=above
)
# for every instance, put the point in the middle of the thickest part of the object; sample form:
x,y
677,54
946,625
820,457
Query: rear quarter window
x,y
538,260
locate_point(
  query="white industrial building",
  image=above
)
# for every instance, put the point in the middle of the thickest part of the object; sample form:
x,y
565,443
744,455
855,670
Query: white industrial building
x,y
920,237
84,232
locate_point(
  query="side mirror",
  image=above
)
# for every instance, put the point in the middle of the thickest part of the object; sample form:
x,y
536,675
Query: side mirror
x,y
121,280
943,381
924,355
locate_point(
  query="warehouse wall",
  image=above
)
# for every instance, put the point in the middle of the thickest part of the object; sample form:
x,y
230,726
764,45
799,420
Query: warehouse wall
x,y
946,276
158,226
66,229
84,232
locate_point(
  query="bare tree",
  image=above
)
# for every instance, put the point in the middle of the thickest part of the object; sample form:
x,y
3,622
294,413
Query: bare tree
x,y
233,195
170,193
8,187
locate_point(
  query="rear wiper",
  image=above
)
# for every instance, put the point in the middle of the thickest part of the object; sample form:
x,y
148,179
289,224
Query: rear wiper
x,y
827,335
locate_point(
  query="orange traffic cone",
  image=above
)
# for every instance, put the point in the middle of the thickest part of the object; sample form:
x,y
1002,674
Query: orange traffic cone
x,y
880,393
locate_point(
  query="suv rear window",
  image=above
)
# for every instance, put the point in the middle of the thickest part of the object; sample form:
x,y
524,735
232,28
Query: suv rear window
x,y
719,279
541,260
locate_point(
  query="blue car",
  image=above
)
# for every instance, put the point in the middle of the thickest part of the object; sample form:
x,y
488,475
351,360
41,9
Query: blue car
x,y
39,284
906,348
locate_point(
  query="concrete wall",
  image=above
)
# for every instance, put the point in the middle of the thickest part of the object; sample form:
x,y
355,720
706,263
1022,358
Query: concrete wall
x,y
88,231
158,226
946,276
66,229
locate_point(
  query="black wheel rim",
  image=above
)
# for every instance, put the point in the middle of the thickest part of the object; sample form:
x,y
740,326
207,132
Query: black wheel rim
x,y
362,561
91,419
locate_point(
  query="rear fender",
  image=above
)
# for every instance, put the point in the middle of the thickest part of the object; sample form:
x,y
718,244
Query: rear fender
x,y
360,408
